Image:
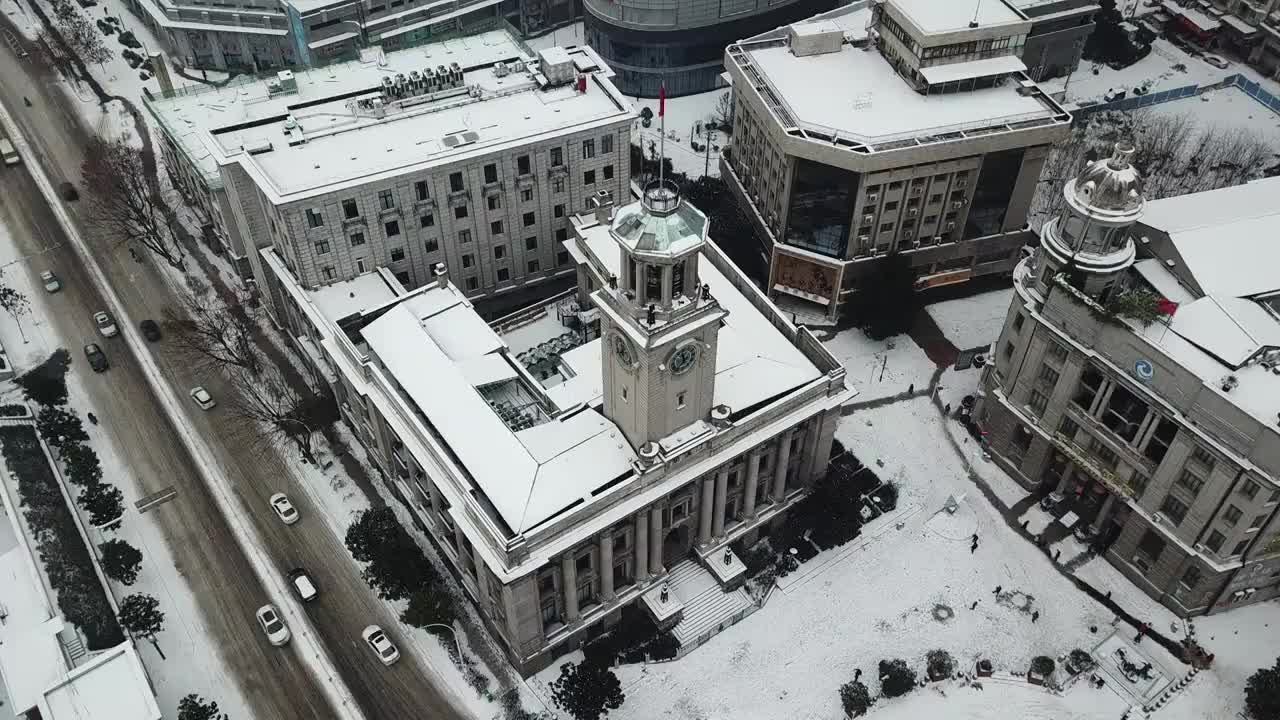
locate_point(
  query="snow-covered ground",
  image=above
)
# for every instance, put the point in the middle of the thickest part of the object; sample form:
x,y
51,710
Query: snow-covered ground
x,y
681,114
972,321
880,368
1225,110
195,661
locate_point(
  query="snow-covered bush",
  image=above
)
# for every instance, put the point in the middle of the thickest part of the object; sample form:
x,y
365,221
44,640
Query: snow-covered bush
x,y
896,679
855,698
939,664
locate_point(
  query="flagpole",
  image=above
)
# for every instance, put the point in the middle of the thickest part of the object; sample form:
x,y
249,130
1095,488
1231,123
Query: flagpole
x,y
662,128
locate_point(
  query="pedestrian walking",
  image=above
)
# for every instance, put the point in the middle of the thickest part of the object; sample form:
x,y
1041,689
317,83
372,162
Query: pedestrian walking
x,y
1108,594
1035,616
1057,554
947,410
93,418
857,673
975,538
911,388
974,606
973,548
997,590
1025,523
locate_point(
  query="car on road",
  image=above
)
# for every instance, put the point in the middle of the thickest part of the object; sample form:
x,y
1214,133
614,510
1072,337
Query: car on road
x,y
273,626
97,359
68,191
1216,61
202,398
50,281
285,510
303,585
150,330
106,324
381,645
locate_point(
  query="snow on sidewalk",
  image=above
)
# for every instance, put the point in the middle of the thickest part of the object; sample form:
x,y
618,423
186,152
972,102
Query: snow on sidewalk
x,y
973,321
881,368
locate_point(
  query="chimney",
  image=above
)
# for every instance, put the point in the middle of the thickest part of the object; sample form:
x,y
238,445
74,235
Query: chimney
x,y
160,68
442,275
601,204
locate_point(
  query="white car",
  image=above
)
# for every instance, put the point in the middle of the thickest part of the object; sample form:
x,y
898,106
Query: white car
x,y
51,282
106,324
273,626
202,398
284,509
381,645
303,585
1216,61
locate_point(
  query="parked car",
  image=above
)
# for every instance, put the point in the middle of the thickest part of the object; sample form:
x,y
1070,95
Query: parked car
x,y
51,282
97,359
202,398
106,324
1216,61
68,191
273,625
303,585
381,645
150,330
284,509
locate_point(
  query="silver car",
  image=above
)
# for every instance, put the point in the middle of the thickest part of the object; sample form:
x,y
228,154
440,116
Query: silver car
x,y
273,625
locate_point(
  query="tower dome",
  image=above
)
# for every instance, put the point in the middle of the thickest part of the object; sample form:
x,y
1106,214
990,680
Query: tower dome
x,y
1109,186
1091,233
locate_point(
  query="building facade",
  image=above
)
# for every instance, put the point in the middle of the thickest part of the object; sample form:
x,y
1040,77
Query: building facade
x,y
1251,28
680,44
576,457
1059,29
929,142
1134,383
501,161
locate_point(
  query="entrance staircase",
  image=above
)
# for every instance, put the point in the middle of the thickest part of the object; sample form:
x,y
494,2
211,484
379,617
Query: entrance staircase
x,y
707,608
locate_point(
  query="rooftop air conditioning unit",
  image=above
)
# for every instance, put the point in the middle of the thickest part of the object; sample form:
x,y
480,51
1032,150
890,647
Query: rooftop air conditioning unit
x,y
957,204
873,197
500,69
951,226
868,218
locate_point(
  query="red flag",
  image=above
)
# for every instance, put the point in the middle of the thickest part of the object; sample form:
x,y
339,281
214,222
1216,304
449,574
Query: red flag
x,y
662,99
1166,306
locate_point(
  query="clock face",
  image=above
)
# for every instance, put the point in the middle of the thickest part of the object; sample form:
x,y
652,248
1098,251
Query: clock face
x,y
683,358
622,349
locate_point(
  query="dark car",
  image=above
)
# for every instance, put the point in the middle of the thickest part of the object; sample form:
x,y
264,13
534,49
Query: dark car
x,y
150,330
68,191
97,359
303,585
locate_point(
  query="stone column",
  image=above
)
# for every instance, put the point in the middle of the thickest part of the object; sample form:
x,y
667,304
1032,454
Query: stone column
x,y
780,469
642,546
704,510
722,490
1066,479
753,482
605,571
482,575
569,584
655,540
1104,512
459,545
1104,399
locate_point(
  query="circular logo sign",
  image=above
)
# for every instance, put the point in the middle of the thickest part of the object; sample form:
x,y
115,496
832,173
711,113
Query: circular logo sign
x,y
1144,370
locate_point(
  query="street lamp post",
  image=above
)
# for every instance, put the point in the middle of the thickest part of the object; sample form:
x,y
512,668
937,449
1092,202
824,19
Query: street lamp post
x,y
457,646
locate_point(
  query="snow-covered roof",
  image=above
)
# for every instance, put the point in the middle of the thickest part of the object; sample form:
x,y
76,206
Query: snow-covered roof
x,y
348,297
1000,65
1226,237
867,101
1200,20
935,16
30,655
1239,25
1166,283
1231,329
111,686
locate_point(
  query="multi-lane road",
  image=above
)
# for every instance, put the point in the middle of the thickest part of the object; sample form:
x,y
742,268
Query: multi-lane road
x,y
276,683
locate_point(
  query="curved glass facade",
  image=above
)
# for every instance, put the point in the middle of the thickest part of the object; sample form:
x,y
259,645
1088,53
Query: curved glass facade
x,y
681,46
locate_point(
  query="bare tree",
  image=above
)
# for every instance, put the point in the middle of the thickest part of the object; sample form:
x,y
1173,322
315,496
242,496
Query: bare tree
x,y
126,202
267,398
723,114
83,38
207,328
17,305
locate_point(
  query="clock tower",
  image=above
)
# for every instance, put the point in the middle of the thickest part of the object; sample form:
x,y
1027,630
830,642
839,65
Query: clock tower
x,y
659,325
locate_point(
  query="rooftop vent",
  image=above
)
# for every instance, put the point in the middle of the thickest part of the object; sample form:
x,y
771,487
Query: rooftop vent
x,y
257,147
1026,87
459,139
815,38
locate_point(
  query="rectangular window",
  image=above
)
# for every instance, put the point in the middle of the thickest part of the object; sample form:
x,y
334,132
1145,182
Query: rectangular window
x,y
420,190
529,219
1239,548
1090,383
1008,350
1151,545
392,227
589,177
1215,540
499,252
329,272
523,166
886,227
314,219
431,245
357,239
526,194
1047,377
503,274
557,185
1190,481
1191,577
1018,320
558,211
1056,352
608,172
1249,489
680,397
1124,413
562,235
557,157
1161,439
533,266
588,149
1232,515
360,266
397,255
1258,522
460,212
562,258
1038,402
1022,438
322,247
386,199
891,205
464,237
427,220
1174,509
1068,428
472,283
495,202
468,260
495,227
455,182
490,173
531,243
350,210
1104,454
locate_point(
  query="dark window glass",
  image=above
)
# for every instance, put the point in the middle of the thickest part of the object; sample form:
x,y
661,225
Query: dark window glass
x,y
821,198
